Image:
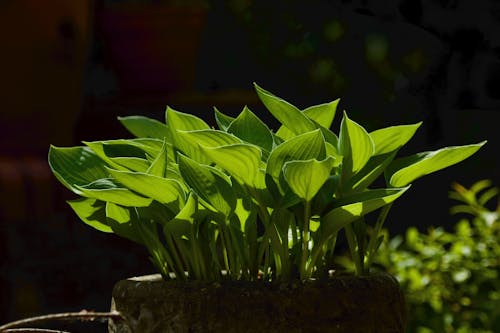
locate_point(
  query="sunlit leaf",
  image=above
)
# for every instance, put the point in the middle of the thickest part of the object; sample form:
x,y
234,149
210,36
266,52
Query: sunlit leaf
x,y
76,166
161,189
248,127
91,212
222,120
207,183
392,138
355,145
302,147
355,206
305,178
240,160
286,113
403,171
108,190
144,127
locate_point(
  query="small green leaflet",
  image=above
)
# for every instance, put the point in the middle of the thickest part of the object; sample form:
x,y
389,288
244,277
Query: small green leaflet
x,y
91,212
248,127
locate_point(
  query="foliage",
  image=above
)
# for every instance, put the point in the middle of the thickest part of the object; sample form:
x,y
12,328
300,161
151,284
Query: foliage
x,y
242,199
451,279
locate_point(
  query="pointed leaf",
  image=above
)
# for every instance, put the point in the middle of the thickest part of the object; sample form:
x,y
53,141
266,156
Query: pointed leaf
x,y
178,121
144,127
159,165
286,113
392,138
248,127
118,213
403,171
241,161
302,147
207,183
370,172
306,178
76,166
133,163
91,212
107,190
355,145
163,190
322,114
355,206
208,138
222,120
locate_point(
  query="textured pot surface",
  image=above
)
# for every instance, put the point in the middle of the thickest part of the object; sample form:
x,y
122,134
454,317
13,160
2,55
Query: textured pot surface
x,y
342,304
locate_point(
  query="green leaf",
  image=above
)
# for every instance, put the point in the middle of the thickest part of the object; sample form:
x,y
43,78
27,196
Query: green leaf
x,y
76,166
107,190
222,120
353,207
388,139
161,189
208,138
370,172
208,184
248,127
302,147
133,163
178,121
159,165
118,213
144,127
286,113
403,171
355,145
322,114
110,149
240,160
91,212
306,178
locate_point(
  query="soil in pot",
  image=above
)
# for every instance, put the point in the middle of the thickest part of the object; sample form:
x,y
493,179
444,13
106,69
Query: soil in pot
x,y
342,304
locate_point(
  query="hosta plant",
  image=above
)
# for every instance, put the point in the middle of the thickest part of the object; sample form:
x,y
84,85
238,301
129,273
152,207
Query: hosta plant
x,y
244,201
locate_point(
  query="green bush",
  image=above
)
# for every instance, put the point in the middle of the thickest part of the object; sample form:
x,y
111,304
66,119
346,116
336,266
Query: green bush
x,y
451,279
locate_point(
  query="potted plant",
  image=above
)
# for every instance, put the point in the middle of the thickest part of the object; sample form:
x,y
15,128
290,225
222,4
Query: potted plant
x,y
241,222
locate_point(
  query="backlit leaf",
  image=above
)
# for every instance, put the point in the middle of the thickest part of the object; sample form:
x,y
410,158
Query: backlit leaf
x,y
305,178
241,160
286,113
403,171
248,127
144,127
91,212
76,166
392,138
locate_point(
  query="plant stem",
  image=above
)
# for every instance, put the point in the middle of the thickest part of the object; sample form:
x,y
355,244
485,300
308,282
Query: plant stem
x,y
353,249
373,243
305,241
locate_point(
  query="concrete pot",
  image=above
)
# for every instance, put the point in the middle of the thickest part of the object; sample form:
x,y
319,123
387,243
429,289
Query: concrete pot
x,y
341,304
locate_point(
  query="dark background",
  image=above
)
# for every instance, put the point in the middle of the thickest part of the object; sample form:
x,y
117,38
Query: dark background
x,y
69,68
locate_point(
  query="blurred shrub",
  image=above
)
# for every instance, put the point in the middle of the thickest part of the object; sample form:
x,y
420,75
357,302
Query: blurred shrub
x,y
451,279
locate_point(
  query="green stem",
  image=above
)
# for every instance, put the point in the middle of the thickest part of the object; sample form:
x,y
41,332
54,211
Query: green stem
x,y
372,244
305,241
353,249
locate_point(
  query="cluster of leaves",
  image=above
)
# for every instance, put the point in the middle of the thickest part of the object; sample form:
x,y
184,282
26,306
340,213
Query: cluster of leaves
x,y
452,279
242,200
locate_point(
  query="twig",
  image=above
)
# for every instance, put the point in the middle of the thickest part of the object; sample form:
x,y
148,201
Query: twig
x,y
32,330
82,315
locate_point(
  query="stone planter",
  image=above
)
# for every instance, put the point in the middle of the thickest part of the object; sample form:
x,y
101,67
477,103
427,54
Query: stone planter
x,y
342,304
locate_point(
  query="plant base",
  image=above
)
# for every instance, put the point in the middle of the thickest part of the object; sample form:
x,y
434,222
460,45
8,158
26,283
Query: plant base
x,y
341,304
